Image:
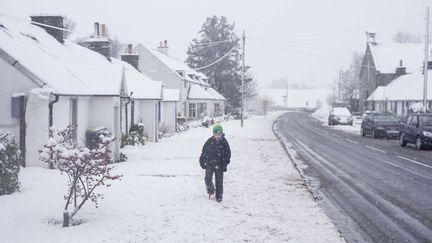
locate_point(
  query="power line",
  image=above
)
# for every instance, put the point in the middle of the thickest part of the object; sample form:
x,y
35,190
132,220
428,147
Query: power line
x,y
218,60
206,44
346,30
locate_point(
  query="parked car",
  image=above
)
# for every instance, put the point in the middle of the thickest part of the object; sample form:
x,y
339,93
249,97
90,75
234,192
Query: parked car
x,y
417,130
380,125
340,115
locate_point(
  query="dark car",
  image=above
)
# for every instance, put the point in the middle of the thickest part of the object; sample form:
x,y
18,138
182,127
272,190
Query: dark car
x,y
380,125
417,130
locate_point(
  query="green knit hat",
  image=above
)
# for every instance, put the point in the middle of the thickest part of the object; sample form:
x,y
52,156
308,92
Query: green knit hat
x,y
217,128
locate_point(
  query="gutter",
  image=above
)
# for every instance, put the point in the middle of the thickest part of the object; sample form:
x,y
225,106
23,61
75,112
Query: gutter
x,y
126,111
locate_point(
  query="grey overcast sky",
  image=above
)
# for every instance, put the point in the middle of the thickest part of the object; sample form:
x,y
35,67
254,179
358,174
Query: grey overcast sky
x,y
302,40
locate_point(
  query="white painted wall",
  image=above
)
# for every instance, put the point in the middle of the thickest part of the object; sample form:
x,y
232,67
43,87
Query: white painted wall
x,y
145,111
102,113
157,70
12,81
37,129
168,113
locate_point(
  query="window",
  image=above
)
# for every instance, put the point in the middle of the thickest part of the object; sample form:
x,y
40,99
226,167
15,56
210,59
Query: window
x,y
414,121
217,109
16,107
202,109
192,110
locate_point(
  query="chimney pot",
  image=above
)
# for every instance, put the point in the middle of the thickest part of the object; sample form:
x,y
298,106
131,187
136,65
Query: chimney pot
x,y
400,63
96,29
165,43
103,30
129,48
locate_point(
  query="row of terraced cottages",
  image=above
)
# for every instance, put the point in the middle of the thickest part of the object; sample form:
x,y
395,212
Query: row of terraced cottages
x,y
49,81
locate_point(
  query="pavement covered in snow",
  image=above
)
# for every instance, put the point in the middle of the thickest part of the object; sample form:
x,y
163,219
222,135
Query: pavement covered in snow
x,y
162,197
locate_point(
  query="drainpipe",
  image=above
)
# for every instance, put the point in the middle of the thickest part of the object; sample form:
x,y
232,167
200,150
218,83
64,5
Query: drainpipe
x,y
50,120
126,106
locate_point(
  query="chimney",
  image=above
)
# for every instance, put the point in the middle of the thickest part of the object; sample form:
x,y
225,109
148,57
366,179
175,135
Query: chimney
x,y
401,70
96,29
52,20
103,30
99,44
130,57
371,38
163,47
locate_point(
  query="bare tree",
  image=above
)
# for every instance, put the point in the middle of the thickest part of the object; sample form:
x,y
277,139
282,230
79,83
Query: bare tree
x,y
117,47
406,37
69,24
86,168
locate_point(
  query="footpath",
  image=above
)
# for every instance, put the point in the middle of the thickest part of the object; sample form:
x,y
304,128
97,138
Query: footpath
x,y
162,197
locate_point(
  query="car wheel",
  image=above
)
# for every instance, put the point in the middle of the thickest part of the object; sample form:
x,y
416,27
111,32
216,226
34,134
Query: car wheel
x,y
419,143
362,132
402,140
373,134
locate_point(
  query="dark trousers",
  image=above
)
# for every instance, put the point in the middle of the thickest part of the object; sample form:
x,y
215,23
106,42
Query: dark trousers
x,y
218,178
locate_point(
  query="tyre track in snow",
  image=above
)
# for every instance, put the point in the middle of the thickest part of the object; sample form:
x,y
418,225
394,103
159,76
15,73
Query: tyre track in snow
x,y
377,199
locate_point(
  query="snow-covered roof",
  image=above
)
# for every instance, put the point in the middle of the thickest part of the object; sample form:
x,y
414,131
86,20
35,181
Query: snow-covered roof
x,y
142,86
407,87
387,56
171,95
215,94
173,63
197,92
378,94
67,68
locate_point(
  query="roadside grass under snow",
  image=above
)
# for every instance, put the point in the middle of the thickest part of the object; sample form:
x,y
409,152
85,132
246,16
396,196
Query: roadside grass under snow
x,y
162,197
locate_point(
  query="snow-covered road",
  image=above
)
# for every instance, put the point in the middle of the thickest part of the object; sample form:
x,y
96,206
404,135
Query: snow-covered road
x,y
162,197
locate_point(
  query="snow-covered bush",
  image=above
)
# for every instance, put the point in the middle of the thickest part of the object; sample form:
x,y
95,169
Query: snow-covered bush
x,y
93,136
137,135
9,164
86,168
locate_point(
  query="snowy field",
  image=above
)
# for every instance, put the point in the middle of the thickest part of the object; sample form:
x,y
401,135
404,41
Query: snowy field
x,y
162,197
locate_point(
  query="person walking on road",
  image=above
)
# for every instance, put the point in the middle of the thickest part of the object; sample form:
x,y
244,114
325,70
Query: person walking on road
x,y
215,157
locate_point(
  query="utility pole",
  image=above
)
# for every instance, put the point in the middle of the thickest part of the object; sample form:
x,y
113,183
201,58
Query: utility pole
x,y
242,79
426,60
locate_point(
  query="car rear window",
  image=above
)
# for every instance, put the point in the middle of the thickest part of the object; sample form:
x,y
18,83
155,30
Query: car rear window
x,y
341,111
385,118
426,120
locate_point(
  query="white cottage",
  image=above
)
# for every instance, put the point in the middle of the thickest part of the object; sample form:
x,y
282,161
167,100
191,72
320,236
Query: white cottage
x,y
398,96
47,82
177,75
145,101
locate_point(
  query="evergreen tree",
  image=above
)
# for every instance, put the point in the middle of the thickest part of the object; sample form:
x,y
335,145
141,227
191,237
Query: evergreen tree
x,y
9,164
224,76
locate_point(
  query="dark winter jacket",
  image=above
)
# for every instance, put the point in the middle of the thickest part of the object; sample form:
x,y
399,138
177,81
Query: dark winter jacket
x,y
215,153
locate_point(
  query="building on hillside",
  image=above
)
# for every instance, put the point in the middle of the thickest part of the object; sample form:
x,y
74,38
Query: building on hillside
x,y
384,62
175,74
